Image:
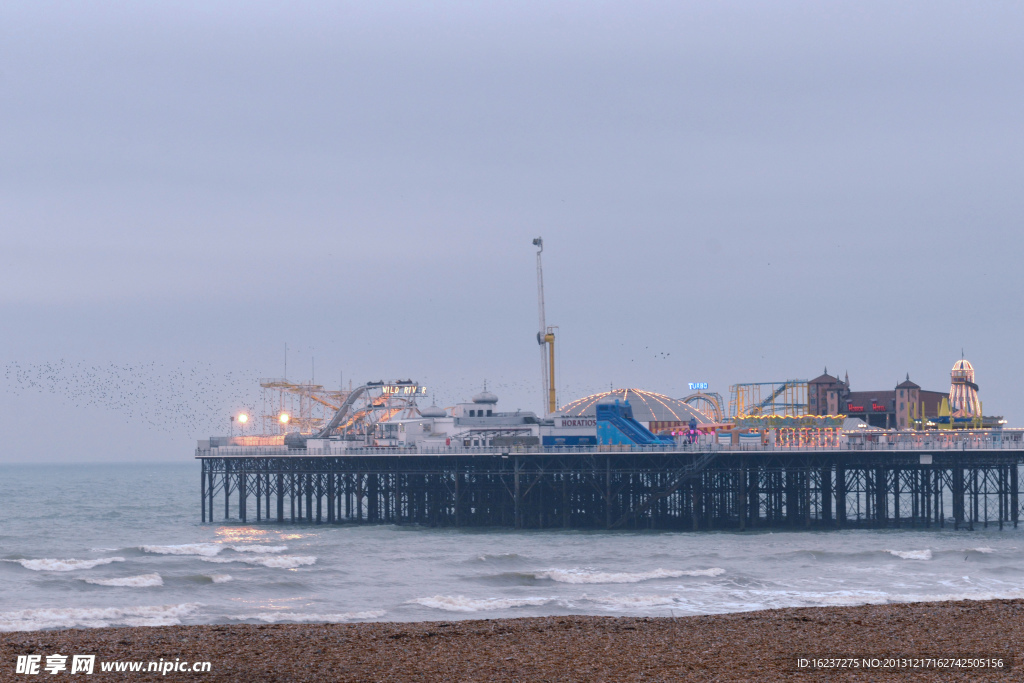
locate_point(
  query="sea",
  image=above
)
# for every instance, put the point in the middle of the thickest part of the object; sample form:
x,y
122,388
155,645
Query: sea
x,y
95,545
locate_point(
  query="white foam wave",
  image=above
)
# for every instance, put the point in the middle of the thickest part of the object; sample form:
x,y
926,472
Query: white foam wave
x,y
460,603
273,561
95,617
201,549
925,554
210,549
713,571
258,548
50,565
844,598
592,576
983,551
141,581
629,602
881,598
274,617
221,578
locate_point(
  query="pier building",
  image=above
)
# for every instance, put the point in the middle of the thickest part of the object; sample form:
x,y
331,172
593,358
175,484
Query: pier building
x,y
905,406
372,454
382,459
960,479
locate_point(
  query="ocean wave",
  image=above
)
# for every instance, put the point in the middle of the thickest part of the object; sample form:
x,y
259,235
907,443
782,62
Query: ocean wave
x,y
273,561
634,601
221,578
460,603
954,552
201,549
713,571
925,554
275,617
50,565
779,599
141,581
838,599
210,549
95,617
880,598
499,557
592,576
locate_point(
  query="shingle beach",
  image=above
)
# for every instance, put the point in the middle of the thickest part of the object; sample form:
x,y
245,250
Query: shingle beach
x,y
748,646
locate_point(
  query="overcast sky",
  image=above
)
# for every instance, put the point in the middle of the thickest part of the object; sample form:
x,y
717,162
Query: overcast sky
x,y
728,192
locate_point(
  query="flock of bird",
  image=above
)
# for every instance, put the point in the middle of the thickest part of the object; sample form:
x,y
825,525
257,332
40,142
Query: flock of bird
x,y
197,399
192,398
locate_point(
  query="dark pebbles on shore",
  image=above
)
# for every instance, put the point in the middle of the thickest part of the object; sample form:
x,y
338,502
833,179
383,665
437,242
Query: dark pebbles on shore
x,y
748,646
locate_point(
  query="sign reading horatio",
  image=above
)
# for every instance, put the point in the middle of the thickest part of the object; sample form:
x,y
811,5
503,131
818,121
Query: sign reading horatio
x,y
581,421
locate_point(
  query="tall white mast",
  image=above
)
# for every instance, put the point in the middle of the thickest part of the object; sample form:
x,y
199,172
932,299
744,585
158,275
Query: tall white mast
x,y
539,243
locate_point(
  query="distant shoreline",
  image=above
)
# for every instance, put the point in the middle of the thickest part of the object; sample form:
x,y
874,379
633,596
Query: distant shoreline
x,y
763,645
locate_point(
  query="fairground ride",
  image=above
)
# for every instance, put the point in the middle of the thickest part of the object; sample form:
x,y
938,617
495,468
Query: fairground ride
x,y
768,398
545,339
311,410
708,402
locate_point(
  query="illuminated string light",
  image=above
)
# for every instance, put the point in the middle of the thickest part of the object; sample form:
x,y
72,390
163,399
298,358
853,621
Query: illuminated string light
x,y
646,399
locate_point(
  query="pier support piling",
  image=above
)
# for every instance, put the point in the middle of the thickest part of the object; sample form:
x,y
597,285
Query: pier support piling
x,y
685,490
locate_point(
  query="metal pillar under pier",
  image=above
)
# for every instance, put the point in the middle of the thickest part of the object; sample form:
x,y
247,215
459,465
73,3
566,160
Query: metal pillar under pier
x,y
653,490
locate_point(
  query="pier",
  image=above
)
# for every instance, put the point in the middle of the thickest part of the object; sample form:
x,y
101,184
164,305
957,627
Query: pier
x,y
963,483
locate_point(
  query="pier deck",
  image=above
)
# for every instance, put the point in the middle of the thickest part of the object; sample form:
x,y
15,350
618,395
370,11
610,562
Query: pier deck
x,y
960,484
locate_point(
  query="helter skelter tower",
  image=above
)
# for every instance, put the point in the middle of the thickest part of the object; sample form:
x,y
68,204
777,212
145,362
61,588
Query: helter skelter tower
x,y
963,392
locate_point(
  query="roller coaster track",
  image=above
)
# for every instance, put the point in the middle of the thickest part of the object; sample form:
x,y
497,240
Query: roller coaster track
x,y
711,399
771,399
745,399
345,417
342,411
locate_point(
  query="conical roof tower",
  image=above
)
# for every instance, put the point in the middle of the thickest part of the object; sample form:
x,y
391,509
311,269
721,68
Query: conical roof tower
x,y
963,391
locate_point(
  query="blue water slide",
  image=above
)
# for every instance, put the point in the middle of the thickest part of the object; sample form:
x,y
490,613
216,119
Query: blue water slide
x,y
616,427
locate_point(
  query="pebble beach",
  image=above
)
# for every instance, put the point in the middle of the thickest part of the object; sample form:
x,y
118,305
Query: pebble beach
x,y
761,646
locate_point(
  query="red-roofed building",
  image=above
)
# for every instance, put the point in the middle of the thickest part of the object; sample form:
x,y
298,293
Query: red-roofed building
x,y
888,409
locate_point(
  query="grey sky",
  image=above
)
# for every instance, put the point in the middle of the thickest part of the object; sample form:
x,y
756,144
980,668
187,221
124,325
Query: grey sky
x,y
757,189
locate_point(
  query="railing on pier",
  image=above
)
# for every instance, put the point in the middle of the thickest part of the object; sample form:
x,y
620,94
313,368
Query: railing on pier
x,y
936,445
